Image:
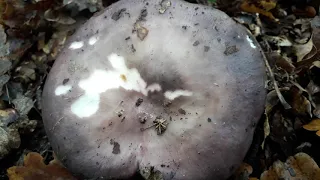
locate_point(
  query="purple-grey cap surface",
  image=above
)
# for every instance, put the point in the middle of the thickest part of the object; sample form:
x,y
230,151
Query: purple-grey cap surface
x,y
150,85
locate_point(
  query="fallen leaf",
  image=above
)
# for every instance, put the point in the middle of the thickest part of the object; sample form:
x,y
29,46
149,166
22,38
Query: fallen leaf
x,y
261,6
5,66
312,88
308,11
285,63
23,104
3,80
301,50
297,167
243,172
300,104
280,41
281,127
316,111
10,47
9,139
313,58
4,141
35,168
58,16
275,85
314,125
266,130
8,116
26,72
273,99
316,63
303,146
80,5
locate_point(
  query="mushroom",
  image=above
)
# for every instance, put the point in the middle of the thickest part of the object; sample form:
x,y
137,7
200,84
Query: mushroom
x,y
164,88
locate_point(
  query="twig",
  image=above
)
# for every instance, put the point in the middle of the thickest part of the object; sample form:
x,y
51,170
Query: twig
x,y
281,98
7,91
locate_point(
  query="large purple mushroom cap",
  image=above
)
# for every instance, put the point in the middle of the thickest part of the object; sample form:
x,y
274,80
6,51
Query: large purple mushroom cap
x,y
163,88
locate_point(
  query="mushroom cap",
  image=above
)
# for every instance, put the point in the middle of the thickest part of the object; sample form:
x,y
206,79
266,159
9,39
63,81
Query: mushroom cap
x,y
167,86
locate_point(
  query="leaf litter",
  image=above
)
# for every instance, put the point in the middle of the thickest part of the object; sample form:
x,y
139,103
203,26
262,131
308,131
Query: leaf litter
x,y
286,141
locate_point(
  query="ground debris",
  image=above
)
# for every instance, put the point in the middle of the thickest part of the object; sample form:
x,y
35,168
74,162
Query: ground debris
x,y
150,173
299,166
34,168
314,125
23,104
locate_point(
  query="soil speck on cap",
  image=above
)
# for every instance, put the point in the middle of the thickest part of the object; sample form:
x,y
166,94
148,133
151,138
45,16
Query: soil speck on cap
x,y
116,147
65,81
142,120
182,111
164,6
143,15
120,113
206,48
132,48
230,50
127,38
167,103
123,119
209,120
196,43
142,32
139,101
117,15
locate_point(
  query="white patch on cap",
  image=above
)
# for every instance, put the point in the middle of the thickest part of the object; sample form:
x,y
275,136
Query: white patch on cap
x,y
76,45
93,40
120,76
154,87
171,95
61,90
251,42
86,105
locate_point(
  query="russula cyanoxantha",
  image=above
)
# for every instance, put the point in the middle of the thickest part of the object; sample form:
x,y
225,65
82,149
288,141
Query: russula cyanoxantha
x,y
151,85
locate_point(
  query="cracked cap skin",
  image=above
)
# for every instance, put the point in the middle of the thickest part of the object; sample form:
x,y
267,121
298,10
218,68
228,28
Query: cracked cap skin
x,y
191,65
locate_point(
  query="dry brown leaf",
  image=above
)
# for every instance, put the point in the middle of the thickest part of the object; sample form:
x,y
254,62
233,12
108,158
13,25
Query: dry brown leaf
x,y
316,111
314,125
316,63
243,172
273,99
262,7
266,130
301,50
300,103
312,59
297,167
35,168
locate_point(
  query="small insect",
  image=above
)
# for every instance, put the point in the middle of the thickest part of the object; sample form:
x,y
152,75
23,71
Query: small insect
x,y
160,125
